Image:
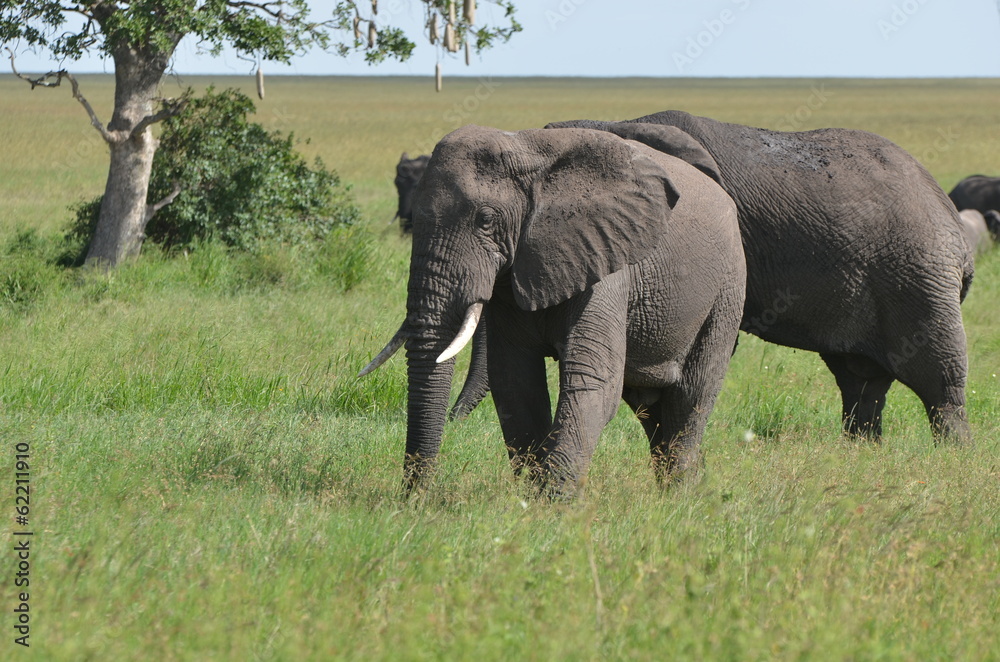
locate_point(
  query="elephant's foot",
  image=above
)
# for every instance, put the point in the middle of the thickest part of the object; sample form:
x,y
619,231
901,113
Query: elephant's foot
x,y
950,424
863,428
417,475
680,462
863,385
560,478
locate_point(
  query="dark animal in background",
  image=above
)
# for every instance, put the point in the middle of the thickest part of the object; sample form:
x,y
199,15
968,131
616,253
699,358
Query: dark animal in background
x,y
977,192
408,172
992,219
622,262
852,250
982,230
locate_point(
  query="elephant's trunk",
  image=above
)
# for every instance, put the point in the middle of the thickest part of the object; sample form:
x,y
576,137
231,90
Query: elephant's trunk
x,y
429,387
477,383
430,363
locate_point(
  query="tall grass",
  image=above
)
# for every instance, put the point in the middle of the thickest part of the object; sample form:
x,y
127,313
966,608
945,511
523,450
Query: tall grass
x,y
211,481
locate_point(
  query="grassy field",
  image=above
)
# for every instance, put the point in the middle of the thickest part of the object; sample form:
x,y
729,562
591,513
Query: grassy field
x,y
210,481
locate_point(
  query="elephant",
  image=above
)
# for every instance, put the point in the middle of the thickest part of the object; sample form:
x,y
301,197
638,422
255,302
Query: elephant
x,y
978,192
981,230
623,263
408,172
476,385
853,251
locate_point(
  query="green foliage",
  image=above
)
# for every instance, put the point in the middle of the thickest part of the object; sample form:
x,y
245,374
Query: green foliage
x,y
346,257
240,184
257,29
26,271
392,42
155,27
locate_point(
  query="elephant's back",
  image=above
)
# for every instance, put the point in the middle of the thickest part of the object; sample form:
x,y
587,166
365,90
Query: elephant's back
x,y
839,228
978,192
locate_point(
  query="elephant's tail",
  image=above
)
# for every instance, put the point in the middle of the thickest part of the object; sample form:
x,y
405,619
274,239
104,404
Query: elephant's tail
x,y
968,271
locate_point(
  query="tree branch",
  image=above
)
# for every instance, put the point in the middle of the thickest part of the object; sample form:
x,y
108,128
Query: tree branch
x,y
152,209
266,7
44,81
108,138
41,81
170,108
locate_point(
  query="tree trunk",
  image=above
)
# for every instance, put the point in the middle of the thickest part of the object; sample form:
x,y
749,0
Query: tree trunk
x,y
121,225
122,221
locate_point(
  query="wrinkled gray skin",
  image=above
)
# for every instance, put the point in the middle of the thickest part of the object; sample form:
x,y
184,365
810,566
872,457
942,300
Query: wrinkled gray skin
x,y
853,251
980,229
977,192
476,386
623,263
408,172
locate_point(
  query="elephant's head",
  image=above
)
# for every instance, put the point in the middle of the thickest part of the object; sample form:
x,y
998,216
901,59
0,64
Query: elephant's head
x,y
536,217
408,173
992,218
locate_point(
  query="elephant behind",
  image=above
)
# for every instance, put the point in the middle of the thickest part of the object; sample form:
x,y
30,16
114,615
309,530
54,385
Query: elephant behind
x,y
853,251
622,262
982,230
977,192
408,172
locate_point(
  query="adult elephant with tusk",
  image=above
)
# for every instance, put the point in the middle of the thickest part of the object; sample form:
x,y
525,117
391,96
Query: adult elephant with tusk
x,y
623,263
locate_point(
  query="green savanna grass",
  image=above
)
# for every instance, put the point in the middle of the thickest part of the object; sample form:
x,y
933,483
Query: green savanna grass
x,y
210,480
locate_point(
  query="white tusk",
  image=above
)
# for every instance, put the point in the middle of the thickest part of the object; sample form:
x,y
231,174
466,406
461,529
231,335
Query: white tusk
x,y
391,348
465,333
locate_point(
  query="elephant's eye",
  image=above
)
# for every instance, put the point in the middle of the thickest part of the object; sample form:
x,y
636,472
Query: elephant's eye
x,y
486,219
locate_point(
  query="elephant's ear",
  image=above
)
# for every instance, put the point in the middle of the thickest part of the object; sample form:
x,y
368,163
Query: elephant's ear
x,y
663,138
602,205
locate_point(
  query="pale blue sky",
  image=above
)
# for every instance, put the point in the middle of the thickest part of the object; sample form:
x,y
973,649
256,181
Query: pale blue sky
x,y
808,38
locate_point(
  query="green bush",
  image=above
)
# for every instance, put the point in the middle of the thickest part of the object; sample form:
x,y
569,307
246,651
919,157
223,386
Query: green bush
x,y
26,272
240,184
346,256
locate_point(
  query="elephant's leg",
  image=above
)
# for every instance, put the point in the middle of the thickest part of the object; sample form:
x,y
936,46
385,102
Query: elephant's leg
x,y
934,364
521,395
863,385
646,405
685,406
591,374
